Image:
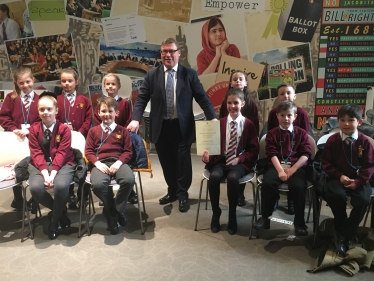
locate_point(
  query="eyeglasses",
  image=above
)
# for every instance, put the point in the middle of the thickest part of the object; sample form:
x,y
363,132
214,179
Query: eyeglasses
x,y
171,52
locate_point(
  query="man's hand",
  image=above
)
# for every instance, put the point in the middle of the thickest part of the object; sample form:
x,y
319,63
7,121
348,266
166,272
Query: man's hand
x,y
114,168
133,126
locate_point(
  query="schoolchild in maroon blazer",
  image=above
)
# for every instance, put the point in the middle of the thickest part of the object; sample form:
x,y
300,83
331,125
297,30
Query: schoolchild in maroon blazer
x,y
78,113
112,84
348,160
287,149
239,152
52,163
287,92
19,110
108,150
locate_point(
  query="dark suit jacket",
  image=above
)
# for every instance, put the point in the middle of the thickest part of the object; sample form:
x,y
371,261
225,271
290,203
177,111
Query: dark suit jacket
x,y
188,87
247,149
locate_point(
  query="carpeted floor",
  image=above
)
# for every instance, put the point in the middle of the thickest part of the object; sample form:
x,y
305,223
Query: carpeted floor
x,y
170,249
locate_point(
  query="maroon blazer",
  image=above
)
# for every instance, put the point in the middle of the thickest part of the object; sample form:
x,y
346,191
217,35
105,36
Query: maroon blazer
x,y
248,144
11,116
80,114
335,163
118,145
124,115
302,119
301,145
60,146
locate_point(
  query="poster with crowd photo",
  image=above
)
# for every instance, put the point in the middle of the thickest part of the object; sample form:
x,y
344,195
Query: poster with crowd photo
x,y
296,57
177,10
346,57
133,59
95,93
46,55
88,10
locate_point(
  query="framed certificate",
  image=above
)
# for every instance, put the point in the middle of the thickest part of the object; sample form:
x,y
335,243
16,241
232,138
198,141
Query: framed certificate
x,y
208,137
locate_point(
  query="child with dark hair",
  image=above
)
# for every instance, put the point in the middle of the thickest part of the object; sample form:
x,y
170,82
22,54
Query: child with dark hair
x,y
239,152
287,149
108,150
348,160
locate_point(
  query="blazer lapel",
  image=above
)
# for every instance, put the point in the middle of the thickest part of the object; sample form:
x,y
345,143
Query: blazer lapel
x,y
180,80
161,81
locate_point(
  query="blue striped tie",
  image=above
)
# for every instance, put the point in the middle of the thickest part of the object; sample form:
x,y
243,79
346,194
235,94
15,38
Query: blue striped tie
x,y
169,88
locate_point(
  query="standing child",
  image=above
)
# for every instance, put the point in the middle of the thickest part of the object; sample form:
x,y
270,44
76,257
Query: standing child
x,y
74,110
112,84
348,160
287,149
238,80
108,150
239,152
52,163
286,92
19,110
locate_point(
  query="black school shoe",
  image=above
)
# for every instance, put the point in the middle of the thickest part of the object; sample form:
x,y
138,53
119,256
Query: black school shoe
x,y
262,223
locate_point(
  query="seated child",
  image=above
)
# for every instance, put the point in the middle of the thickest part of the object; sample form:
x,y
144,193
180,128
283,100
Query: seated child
x,y
52,163
239,152
348,160
109,149
287,149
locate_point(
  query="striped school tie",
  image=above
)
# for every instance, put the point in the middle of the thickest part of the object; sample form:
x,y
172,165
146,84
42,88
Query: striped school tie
x,y
348,140
231,151
26,102
71,99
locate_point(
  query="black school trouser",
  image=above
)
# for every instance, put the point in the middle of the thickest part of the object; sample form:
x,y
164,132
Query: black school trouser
x,y
175,159
296,185
336,198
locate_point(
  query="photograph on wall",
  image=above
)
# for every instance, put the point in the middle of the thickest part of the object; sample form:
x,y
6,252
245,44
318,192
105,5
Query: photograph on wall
x,y
46,55
15,21
95,93
297,57
89,10
133,59
174,10
5,73
218,37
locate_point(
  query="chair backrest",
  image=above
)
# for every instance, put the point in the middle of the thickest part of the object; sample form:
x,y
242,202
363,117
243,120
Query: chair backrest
x,y
313,146
78,141
261,153
322,140
12,148
126,86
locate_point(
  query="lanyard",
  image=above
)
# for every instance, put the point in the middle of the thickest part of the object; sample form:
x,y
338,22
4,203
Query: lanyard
x,y
66,118
350,163
102,141
281,149
25,120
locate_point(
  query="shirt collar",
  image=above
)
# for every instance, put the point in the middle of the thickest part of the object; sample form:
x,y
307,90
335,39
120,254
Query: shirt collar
x,y
50,128
237,120
111,126
73,94
31,94
290,128
353,136
175,68
116,97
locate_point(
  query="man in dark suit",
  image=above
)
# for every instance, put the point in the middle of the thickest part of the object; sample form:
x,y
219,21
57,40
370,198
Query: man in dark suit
x,y
172,128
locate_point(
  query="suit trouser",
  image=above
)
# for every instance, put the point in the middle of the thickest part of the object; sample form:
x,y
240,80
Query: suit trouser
x,y
100,181
336,198
269,193
60,189
175,159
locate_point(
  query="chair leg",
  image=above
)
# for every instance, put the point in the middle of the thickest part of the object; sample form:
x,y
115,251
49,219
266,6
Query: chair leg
x,y
140,211
207,194
83,209
254,215
254,197
310,204
141,191
368,210
26,210
318,208
198,203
